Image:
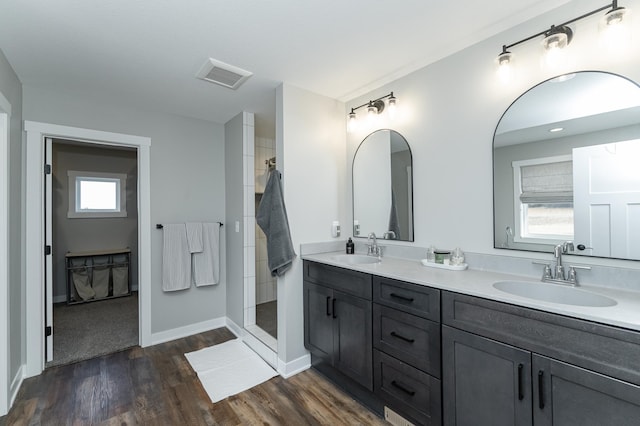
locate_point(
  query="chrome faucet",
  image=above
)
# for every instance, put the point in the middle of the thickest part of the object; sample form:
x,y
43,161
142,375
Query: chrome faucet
x,y
558,275
373,249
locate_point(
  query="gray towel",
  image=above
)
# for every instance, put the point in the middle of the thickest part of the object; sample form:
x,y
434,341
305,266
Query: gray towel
x,y
272,219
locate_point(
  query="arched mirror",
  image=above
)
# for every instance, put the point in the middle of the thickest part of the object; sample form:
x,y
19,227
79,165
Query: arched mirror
x,y
383,187
566,167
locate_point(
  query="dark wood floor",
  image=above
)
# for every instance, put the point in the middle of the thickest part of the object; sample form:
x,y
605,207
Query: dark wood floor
x,y
156,386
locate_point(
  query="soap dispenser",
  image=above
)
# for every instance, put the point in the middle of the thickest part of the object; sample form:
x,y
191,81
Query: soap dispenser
x,y
350,246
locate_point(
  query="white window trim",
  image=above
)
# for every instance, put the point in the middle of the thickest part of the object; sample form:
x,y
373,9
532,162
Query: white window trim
x,y
519,208
74,211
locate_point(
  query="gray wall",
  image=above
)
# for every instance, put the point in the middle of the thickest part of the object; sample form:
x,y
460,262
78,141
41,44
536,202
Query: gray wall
x,y
310,141
11,88
79,234
187,185
448,112
234,201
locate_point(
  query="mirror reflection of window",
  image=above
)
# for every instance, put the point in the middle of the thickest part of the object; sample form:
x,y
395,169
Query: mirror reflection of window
x,y
583,116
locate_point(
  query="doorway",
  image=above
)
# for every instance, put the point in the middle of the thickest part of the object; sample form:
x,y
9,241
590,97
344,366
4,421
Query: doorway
x,y
92,228
34,235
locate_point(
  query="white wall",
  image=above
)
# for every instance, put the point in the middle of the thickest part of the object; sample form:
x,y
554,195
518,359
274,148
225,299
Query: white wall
x,y
448,112
187,185
11,89
310,140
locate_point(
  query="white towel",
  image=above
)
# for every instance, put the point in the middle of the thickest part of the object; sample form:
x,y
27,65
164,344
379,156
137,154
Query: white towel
x,y
194,237
176,258
206,264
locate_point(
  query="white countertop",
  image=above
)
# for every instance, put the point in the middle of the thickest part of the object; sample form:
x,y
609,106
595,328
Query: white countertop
x,y
480,283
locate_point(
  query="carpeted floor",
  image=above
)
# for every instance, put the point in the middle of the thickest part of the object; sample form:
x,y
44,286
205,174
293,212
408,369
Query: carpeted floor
x,y
89,330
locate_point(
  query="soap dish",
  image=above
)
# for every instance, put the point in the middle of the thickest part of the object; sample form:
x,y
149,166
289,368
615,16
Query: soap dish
x,y
460,267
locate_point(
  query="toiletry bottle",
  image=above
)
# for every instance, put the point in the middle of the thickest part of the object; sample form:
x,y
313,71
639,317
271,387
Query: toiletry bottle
x,y
350,247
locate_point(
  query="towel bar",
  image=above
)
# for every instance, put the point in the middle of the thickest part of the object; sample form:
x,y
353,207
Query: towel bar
x,y
160,226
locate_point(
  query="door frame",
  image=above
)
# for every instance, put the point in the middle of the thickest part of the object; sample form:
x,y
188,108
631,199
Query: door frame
x,y
34,224
5,120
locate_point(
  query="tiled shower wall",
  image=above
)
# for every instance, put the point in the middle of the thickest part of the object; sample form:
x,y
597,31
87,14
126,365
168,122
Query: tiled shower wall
x,y
265,283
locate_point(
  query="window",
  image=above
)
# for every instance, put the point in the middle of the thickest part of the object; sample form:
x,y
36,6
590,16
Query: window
x,y
543,195
94,194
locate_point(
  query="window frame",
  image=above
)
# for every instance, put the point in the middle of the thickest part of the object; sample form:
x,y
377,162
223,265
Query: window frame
x,y
74,179
520,208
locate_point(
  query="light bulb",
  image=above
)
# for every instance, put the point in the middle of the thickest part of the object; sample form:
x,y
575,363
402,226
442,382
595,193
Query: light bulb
x,y
352,122
372,112
505,66
393,106
554,43
615,30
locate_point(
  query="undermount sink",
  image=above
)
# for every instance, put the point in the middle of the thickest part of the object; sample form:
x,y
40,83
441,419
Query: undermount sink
x,y
355,259
554,293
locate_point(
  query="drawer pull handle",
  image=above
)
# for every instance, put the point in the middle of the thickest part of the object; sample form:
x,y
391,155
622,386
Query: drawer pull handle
x,y
403,388
520,384
541,389
401,297
401,337
328,310
333,308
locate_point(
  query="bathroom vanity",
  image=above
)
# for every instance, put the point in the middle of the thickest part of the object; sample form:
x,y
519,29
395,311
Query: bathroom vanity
x,y
446,347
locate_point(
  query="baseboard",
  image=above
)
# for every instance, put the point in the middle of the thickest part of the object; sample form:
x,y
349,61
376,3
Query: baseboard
x,y
259,347
234,328
291,368
15,385
187,330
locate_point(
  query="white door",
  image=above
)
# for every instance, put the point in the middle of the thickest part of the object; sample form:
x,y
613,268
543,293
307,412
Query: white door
x,y
48,205
606,190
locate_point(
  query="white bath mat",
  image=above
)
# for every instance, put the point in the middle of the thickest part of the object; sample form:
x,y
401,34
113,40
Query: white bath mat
x,y
229,368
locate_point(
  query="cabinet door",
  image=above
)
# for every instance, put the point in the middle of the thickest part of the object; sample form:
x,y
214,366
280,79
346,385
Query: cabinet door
x,y
353,342
484,382
568,395
318,321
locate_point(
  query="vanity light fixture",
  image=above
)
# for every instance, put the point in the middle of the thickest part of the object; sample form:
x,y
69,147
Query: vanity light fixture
x,y
558,37
374,108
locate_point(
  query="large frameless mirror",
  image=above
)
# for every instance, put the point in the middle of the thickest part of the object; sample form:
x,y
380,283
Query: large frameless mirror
x,y
566,167
383,187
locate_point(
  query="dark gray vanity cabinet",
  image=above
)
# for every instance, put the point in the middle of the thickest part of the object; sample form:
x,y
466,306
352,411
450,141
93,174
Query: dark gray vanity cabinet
x,y
504,364
484,382
406,340
337,320
568,395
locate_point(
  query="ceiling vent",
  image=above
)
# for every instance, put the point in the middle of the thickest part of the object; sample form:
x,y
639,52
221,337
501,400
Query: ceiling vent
x,y
223,74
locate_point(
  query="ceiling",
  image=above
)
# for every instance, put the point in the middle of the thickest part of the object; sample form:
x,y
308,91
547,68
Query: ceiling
x,y
585,102
146,53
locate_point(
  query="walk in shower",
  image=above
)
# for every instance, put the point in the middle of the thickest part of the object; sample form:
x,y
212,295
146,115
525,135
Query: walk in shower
x,y
266,285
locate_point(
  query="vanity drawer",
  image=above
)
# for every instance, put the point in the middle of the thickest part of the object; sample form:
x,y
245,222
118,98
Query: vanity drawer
x,y
412,298
407,337
345,280
410,392
602,348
